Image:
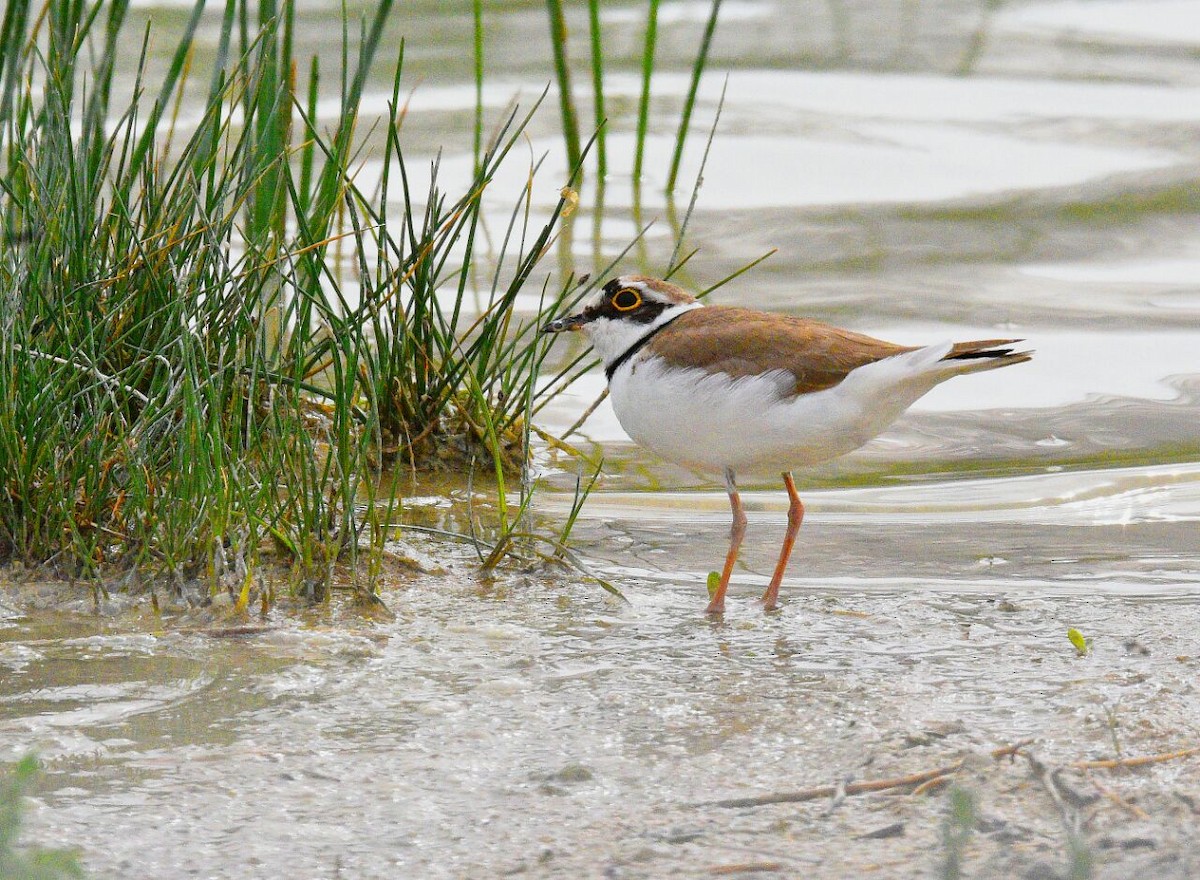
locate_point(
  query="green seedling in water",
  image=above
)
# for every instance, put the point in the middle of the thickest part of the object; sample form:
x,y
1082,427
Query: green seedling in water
x,y
1083,645
1081,862
714,581
961,815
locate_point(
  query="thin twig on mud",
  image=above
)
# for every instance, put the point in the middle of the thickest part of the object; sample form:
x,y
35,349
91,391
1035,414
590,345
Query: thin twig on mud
x,y
1011,751
746,868
823,791
921,783
1132,809
930,779
930,785
1115,763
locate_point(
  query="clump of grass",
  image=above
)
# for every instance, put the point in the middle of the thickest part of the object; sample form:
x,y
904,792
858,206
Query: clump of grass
x,y
29,863
211,338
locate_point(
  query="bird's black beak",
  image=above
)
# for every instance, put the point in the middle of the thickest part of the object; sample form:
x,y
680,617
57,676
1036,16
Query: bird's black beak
x,y
571,322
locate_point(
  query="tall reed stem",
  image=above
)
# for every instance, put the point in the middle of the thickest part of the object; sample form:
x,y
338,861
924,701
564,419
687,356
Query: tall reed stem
x,y
477,15
598,116
566,98
690,100
644,102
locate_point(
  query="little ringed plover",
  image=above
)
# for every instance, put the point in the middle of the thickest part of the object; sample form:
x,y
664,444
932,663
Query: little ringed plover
x,y
725,389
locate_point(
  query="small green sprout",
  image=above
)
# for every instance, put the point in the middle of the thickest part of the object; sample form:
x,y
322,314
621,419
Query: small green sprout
x,y
962,814
1083,645
714,581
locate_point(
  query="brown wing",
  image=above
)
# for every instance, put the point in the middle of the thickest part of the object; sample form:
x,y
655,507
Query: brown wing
x,y
741,342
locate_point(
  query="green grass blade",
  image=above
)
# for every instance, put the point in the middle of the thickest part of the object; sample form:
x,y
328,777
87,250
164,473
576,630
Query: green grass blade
x,y
178,61
644,100
477,18
599,115
694,86
570,122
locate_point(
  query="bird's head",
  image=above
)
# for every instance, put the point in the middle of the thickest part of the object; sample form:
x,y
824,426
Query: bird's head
x,y
623,311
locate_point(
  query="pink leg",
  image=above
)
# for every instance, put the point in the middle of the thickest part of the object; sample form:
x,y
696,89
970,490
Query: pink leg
x,y
736,533
795,517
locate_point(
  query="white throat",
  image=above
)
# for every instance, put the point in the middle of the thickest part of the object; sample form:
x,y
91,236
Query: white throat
x,y
613,337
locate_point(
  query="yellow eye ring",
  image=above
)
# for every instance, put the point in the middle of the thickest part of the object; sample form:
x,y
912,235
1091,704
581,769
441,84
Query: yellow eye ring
x,y
626,299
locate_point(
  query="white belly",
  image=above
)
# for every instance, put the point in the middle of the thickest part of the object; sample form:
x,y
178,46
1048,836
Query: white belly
x,y
709,422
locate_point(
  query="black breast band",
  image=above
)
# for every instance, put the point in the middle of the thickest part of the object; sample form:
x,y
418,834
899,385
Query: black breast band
x,y
612,368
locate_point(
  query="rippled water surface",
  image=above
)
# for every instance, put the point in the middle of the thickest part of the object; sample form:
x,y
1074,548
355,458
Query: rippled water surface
x,y
926,170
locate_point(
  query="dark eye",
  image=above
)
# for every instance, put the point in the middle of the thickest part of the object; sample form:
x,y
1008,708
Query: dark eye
x,y
626,299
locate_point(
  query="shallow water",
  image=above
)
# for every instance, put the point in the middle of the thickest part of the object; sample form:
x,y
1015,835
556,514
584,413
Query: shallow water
x,y
927,171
